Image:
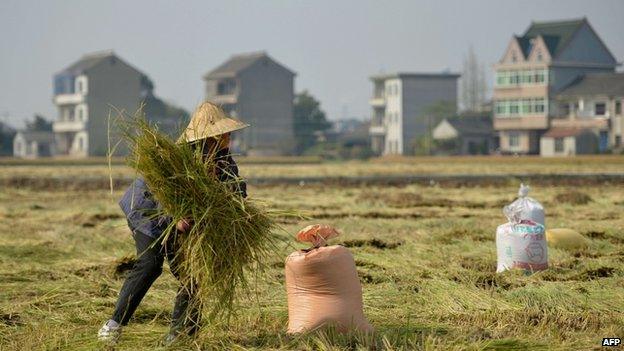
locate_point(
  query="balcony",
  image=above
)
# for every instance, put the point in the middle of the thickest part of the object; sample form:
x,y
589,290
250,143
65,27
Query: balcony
x,y
377,130
68,126
68,99
593,123
520,123
377,101
520,91
224,99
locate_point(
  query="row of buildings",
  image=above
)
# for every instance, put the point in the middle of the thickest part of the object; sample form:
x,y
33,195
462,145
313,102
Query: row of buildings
x,y
253,87
556,92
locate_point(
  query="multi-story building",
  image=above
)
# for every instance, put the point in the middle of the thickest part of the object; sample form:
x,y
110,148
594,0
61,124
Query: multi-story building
x,y
534,68
587,116
399,106
86,93
257,90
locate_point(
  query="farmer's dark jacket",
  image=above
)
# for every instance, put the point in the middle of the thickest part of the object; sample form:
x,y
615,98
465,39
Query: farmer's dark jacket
x,y
139,206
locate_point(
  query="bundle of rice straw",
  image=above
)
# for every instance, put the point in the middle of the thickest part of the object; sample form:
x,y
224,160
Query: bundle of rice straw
x,y
230,236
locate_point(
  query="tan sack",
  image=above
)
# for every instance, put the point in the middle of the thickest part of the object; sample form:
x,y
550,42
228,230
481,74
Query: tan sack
x,y
564,238
323,288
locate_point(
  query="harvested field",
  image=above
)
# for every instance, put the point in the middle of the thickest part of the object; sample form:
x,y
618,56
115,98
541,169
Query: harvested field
x,y
311,167
425,255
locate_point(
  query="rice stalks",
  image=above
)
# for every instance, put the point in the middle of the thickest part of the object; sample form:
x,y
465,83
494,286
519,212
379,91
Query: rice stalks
x,y
230,236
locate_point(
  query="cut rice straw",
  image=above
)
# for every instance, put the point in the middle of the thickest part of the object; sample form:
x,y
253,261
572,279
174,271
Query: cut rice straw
x,y
230,238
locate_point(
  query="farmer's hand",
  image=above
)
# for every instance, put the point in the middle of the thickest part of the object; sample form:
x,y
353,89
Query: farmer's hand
x,y
184,225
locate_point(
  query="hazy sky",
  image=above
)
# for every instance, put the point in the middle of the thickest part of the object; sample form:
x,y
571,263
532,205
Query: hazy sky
x,y
334,46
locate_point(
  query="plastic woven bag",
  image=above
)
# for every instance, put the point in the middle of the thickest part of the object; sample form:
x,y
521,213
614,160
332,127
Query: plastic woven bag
x,y
524,208
521,242
322,285
521,245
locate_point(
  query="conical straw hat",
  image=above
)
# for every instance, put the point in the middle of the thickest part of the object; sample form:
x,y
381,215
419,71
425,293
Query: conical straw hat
x,y
209,121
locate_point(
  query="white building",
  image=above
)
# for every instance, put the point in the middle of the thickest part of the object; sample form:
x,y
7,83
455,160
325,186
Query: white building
x,y
33,144
399,105
587,117
86,93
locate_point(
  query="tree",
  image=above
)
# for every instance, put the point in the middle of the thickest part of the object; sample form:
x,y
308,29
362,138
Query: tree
x,y
38,124
433,114
6,139
473,83
309,121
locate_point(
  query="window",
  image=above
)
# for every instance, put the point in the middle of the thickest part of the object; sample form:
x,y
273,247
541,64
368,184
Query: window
x,y
514,109
618,140
502,78
518,77
527,107
514,57
80,114
226,87
539,106
500,107
564,109
540,76
527,77
559,145
539,55
600,109
514,140
69,114
618,107
80,144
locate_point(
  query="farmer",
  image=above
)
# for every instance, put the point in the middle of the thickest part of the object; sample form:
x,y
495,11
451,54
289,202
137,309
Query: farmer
x,y
209,129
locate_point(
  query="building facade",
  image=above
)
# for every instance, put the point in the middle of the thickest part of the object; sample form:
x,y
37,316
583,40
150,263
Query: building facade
x,y
399,106
587,116
33,144
85,94
259,91
468,134
534,68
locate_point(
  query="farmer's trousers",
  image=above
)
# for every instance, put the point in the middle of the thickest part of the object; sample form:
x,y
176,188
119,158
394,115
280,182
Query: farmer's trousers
x,y
150,257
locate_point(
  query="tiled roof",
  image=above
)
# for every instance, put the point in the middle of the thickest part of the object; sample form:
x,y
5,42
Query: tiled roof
x,y
88,61
610,84
385,76
562,132
236,64
39,136
556,34
471,124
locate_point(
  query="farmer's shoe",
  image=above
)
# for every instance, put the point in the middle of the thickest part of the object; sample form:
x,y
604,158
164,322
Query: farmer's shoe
x,y
173,336
182,327
186,314
110,332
